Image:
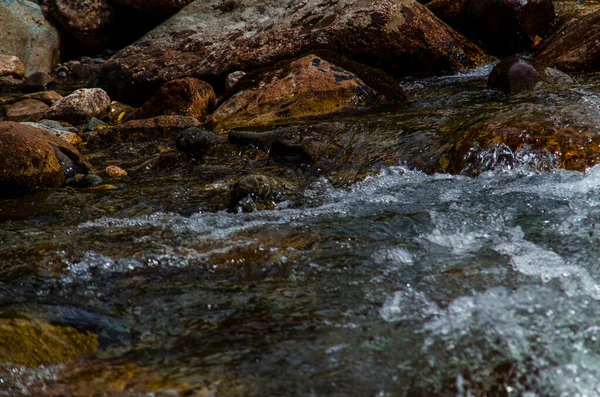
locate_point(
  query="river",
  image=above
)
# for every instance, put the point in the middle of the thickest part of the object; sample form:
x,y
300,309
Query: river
x,y
404,284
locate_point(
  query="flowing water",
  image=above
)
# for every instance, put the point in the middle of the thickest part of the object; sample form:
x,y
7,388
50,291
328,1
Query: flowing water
x,y
404,284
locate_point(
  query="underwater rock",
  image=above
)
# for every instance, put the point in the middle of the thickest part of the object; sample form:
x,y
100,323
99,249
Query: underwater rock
x,y
208,40
256,192
309,86
32,159
180,97
195,141
80,106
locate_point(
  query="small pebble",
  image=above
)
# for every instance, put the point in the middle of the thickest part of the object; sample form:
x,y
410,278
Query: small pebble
x,y
114,172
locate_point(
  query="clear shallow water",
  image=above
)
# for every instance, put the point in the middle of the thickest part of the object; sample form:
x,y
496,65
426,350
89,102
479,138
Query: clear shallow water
x,y
404,284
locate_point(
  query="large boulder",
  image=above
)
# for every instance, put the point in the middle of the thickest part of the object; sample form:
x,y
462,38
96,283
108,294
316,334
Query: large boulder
x,y
514,75
502,27
32,159
86,21
309,86
25,33
212,38
155,7
574,48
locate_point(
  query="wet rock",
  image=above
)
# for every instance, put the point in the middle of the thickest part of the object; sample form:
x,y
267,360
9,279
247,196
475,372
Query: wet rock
x,y
80,106
513,75
85,21
161,127
38,81
92,124
63,131
25,33
195,141
181,97
209,41
10,65
84,180
25,110
114,172
233,78
48,97
155,7
83,69
453,12
574,47
309,86
118,111
32,159
33,343
524,136
506,27
9,84
256,192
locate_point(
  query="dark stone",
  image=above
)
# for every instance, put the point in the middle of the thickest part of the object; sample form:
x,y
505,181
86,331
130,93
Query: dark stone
x,y
514,75
195,141
38,81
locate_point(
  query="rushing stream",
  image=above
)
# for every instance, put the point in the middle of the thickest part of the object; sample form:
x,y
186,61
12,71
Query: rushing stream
x,y
404,284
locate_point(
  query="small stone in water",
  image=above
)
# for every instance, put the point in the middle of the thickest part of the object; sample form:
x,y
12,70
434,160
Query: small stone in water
x,y
114,172
80,180
194,141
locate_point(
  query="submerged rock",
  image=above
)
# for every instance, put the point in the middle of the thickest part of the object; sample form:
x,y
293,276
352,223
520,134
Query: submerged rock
x,y
256,192
195,141
80,106
32,159
309,86
209,40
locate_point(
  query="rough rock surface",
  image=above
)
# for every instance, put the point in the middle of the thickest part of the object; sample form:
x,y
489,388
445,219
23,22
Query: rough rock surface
x,y
513,75
309,86
79,106
184,97
210,40
155,7
25,33
87,21
574,48
10,65
25,110
32,159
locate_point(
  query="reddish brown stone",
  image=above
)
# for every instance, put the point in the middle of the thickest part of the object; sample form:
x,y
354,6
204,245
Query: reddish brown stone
x,y
210,41
80,106
31,159
25,110
11,66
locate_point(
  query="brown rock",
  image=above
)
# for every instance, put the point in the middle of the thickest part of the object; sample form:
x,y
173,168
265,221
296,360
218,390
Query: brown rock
x,y
25,110
155,7
522,136
117,111
31,159
114,172
10,65
209,41
86,21
80,106
309,86
160,127
48,97
574,48
183,97
513,75
38,81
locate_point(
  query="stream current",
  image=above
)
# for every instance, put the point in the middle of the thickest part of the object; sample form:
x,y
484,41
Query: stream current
x,y
403,284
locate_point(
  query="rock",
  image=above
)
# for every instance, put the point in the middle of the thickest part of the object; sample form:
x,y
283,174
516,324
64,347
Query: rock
x,y
25,110
114,172
92,124
86,21
309,86
513,75
523,136
574,47
181,97
10,65
33,343
506,27
38,81
118,111
155,7
212,39
256,192
84,180
453,12
32,159
25,33
161,127
48,97
80,106
194,141
9,84
233,78
85,68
